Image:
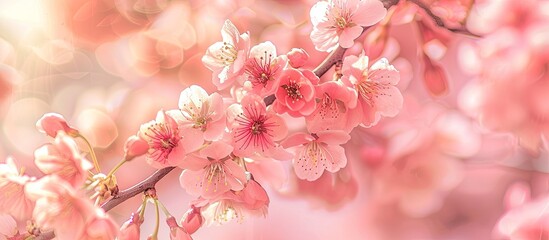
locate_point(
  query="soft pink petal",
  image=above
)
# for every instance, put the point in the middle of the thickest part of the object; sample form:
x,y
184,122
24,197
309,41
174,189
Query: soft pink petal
x,y
296,139
318,12
325,40
191,139
389,101
215,130
383,72
280,130
217,150
335,158
308,108
262,50
348,36
192,181
236,177
305,167
369,12
194,163
229,32
333,137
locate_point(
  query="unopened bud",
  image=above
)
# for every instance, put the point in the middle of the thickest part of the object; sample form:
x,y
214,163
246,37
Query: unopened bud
x,y
297,57
135,147
51,123
434,77
192,220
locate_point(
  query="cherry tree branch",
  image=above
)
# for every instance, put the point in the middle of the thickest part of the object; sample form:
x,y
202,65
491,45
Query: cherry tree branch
x,y
138,188
439,22
124,195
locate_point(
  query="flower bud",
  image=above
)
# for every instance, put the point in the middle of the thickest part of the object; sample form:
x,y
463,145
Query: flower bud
x,y
130,230
297,57
192,220
177,232
135,147
51,123
434,78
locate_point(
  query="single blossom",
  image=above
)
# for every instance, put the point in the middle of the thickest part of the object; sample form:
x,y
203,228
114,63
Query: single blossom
x,y
296,93
167,143
60,207
342,21
212,171
62,158
376,87
254,129
333,108
227,58
14,201
263,69
200,113
317,152
251,201
51,123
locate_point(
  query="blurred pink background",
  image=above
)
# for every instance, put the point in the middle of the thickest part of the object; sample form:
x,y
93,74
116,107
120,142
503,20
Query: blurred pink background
x,y
109,65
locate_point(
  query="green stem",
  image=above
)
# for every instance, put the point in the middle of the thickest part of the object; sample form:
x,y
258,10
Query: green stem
x,y
155,233
166,212
92,153
116,167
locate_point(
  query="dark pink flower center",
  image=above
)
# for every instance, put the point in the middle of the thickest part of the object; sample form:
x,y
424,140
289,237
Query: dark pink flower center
x,y
254,128
292,89
162,140
262,71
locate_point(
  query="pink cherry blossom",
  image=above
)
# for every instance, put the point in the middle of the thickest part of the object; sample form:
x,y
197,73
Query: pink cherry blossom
x,y
192,220
317,152
251,201
227,58
254,129
62,158
296,93
60,207
212,171
167,143
263,69
99,227
14,201
377,93
131,229
342,21
333,110
51,123
200,113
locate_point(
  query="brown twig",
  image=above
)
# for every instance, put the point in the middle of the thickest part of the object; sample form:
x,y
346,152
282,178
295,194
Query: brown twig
x,y
137,188
439,22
